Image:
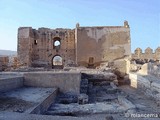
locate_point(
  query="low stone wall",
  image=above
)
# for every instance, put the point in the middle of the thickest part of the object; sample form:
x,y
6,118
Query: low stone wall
x,y
65,81
7,84
44,104
149,84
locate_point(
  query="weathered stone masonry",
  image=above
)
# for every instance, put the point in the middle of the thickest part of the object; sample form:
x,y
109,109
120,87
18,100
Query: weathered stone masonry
x,y
84,46
36,47
148,54
4,60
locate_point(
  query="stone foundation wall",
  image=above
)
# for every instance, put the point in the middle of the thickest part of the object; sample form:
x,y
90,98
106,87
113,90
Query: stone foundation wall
x,y
66,82
7,84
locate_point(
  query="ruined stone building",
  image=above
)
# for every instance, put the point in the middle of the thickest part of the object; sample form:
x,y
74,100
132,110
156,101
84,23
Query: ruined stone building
x,y
4,60
82,46
148,54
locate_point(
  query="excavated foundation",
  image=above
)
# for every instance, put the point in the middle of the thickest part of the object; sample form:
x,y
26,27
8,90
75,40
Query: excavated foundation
x,y
98,94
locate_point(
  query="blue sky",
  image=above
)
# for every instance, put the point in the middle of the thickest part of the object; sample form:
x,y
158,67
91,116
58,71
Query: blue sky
x,y
143,17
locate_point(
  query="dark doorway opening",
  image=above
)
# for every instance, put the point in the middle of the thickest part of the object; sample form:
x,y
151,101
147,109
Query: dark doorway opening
x,y
91,62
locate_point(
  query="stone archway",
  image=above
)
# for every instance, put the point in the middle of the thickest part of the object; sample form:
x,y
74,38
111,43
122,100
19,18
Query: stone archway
x,y
57,62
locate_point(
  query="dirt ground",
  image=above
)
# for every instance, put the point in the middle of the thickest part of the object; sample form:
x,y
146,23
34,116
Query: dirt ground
x,y
143,103
14,105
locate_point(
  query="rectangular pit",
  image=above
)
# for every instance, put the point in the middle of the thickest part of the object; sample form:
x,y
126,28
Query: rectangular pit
x,y
27,100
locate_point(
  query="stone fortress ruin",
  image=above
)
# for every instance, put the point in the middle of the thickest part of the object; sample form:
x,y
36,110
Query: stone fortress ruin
x,y
82,73
82,46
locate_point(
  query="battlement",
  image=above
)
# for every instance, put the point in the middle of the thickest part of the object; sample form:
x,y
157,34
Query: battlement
x,y
147,54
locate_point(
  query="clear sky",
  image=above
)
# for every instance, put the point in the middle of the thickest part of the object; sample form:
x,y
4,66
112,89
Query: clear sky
x,y
143,17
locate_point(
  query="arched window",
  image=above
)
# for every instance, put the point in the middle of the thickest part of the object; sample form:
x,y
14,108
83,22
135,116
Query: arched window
x,y
56,42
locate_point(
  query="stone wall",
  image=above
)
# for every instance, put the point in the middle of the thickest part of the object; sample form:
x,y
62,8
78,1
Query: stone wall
x,y
150,69
7,84
4,60
148,54
36,47
66,82
24,45
86,46
100,44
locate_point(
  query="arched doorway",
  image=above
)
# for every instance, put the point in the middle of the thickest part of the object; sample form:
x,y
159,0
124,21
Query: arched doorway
x,y
57,62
